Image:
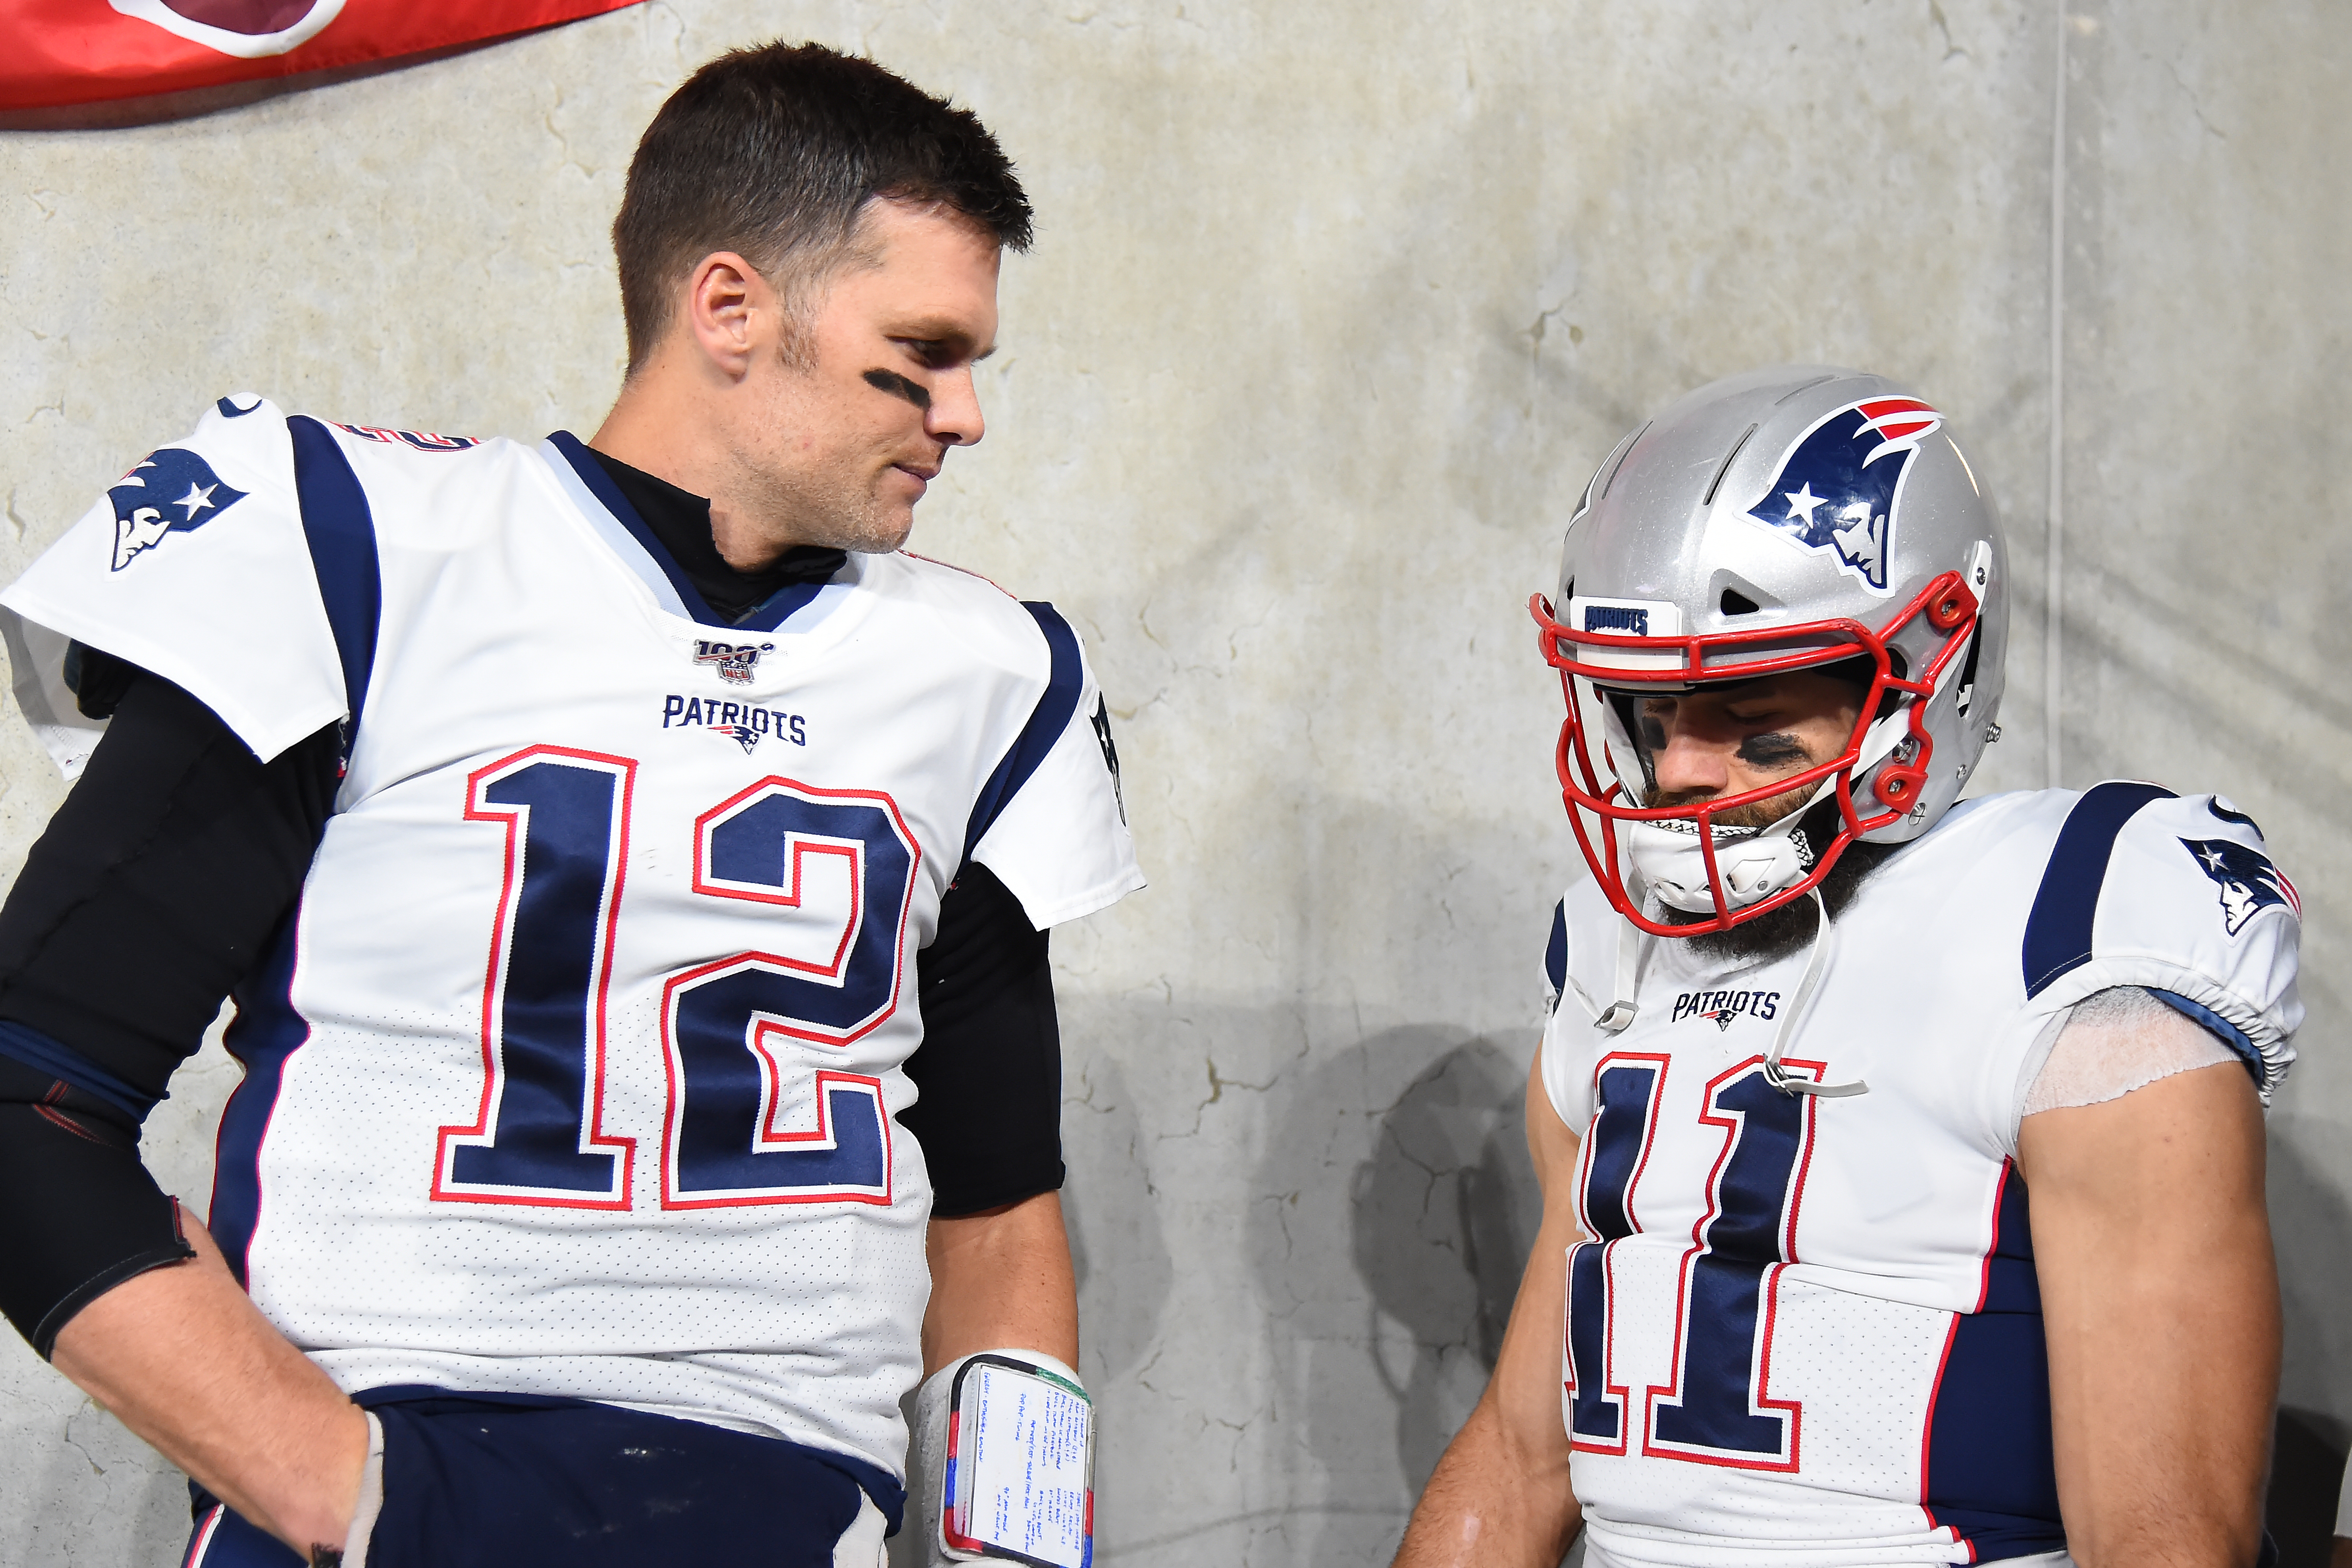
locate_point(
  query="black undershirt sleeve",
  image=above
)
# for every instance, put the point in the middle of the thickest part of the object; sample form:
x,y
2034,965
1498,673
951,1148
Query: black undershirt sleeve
x,y
158,883
990,1067
155,890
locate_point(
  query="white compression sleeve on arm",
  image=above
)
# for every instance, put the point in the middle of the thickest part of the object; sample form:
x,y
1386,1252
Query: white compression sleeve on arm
x,y
2117,1041
933,1405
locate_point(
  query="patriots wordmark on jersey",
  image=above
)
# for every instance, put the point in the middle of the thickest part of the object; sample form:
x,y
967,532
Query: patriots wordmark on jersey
x,y
574,1070
1806,1329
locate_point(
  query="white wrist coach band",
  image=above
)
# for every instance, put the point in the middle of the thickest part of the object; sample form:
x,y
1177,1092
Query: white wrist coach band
x,y
1004,1440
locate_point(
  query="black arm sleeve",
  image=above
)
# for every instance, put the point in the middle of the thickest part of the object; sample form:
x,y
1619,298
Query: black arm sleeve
x,y
155,890
990,1067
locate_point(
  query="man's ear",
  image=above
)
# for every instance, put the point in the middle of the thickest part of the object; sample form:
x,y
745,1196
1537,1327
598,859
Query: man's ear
x,y
731,312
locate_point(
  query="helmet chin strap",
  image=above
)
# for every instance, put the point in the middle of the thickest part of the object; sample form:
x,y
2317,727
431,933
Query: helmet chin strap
x,y
1620,1012
1613,1018
1816,965
1622,1009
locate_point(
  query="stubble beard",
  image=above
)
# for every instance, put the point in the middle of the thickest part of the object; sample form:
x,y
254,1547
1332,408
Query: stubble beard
x,y
835,506
1762,813
833,503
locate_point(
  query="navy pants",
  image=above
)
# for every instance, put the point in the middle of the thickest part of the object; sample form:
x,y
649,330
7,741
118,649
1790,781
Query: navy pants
x,y
519,1482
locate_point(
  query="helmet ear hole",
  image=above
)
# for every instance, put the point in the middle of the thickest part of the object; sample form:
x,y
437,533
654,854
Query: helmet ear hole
x,y
1735,602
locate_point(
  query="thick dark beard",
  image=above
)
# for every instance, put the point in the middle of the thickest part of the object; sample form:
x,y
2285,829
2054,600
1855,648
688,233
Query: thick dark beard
x,y
1775,935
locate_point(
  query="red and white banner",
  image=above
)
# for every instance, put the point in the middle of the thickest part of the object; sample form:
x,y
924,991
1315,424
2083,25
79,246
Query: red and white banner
x,y
60,52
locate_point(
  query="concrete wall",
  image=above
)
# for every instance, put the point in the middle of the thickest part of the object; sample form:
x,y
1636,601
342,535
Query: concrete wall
x,y
1334,309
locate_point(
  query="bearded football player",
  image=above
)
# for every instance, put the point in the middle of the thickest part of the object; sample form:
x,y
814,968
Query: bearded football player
x,y
632,873
1902,1156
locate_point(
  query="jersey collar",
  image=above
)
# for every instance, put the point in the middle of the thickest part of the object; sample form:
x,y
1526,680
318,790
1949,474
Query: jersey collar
x,y
609,511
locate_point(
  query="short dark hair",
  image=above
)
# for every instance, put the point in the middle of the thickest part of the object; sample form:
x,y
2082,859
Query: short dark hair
x,y
773,153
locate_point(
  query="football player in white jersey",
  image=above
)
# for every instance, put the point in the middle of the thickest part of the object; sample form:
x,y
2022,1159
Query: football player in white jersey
x,y
605,844
1820,1028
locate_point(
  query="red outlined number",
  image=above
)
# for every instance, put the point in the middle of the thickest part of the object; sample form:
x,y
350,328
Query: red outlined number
x,y
1717,1408
1627,1087
792,845
750,1118
538,1137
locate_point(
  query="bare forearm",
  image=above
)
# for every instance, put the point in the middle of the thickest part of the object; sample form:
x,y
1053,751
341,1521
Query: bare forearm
x,y
1491,1504
1002,1279
181,1356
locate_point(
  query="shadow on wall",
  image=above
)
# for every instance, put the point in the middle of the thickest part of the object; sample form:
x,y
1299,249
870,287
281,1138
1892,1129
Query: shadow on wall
x,y
2313,1228
1124,1271
1391,1231
1444,1211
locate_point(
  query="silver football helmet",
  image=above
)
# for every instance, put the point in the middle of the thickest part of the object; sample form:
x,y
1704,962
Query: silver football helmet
x,y
1792,518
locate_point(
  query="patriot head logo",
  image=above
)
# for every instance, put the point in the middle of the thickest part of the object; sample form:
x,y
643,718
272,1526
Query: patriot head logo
x,y
2249,883
171,491
1838,486
734,662
743,735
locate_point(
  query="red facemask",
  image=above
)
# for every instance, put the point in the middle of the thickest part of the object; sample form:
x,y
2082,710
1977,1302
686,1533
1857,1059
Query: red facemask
x,y
1602,672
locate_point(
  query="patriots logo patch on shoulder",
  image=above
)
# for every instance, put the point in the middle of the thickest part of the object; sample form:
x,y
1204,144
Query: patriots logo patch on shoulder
x,y
1833,496
172,490
2249,883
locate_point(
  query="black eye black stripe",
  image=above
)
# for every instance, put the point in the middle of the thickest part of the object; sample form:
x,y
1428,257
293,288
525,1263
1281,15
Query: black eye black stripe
x,y
897,385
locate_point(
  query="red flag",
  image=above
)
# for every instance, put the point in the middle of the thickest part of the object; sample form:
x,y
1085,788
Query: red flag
x,y
86,51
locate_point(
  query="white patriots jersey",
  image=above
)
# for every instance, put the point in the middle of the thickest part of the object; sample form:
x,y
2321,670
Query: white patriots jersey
x,y
1806,1329
574,1071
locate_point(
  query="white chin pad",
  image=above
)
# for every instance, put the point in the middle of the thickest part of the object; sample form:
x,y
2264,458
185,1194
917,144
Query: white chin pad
x,y
1754,865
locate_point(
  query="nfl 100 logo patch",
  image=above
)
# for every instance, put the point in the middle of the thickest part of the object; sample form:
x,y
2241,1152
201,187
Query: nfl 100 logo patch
x,y
734,662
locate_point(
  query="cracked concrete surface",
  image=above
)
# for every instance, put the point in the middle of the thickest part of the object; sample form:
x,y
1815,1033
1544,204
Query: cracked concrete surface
x,y
1332,311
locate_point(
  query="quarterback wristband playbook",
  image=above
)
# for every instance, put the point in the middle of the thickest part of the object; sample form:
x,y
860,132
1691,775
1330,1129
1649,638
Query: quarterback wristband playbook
x,y
1006,1442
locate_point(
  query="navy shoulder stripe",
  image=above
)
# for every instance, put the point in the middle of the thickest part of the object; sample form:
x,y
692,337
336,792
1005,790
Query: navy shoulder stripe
x,y
1556,949
779,607
341,533
1046,722
2058,930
